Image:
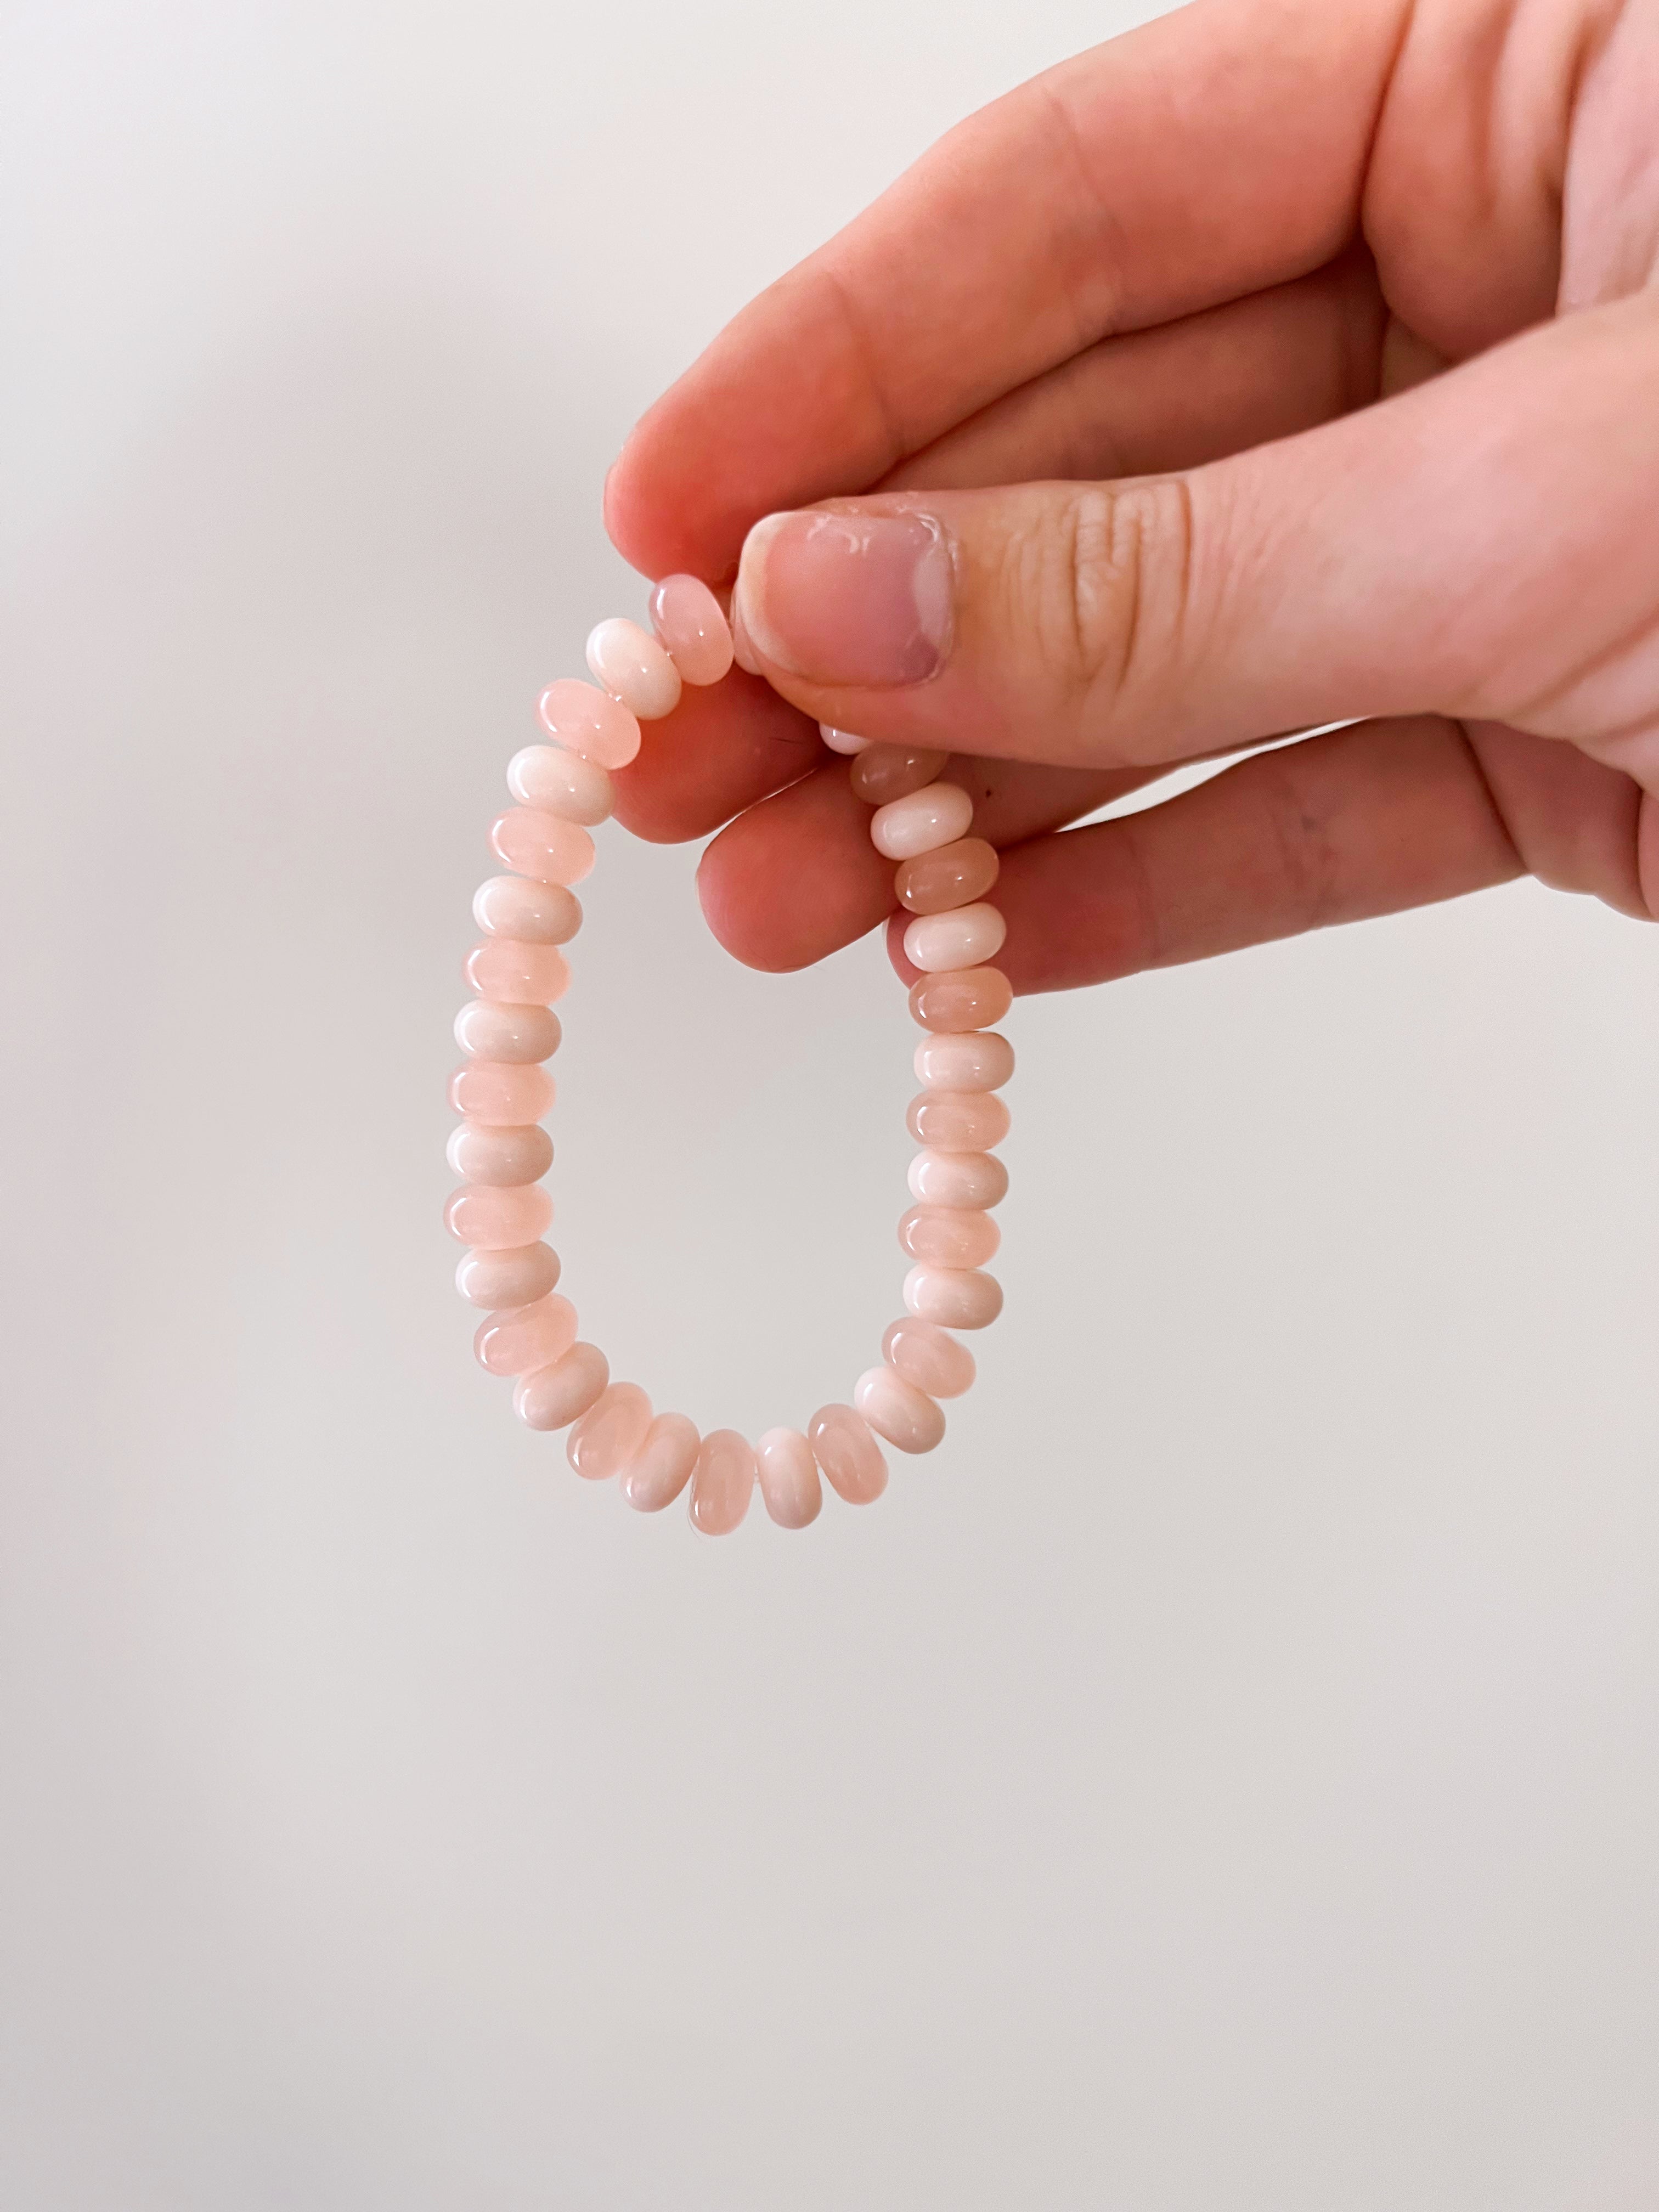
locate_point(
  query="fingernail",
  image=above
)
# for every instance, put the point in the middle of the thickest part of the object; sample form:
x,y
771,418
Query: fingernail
x,y
848,599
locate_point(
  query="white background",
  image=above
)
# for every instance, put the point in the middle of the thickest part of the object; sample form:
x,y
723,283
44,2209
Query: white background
x,y
1223,1775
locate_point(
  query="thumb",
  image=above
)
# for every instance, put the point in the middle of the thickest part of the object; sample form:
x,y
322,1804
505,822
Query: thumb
x,y
1481,545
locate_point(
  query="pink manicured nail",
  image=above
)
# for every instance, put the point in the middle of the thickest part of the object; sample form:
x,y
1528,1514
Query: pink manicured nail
x,y
849,598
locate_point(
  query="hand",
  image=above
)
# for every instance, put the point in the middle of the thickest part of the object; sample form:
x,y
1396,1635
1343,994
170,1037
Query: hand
x,y
1315,353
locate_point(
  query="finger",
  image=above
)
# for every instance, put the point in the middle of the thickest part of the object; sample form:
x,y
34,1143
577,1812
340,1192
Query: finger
x,y
1213,152
720,750
1410,556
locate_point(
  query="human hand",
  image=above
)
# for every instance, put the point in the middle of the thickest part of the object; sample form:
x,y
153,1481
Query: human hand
x,y
1316,354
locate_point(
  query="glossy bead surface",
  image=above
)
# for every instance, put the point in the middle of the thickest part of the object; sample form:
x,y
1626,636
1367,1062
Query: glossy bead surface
x,y
966,937
513,1278
634,667
849,1455
921,821
517,975
494,1219
925,1355
610,1432
951,876
589,721
541,845
499,1095
788,1474
948,1236
662,1466
536,913
487,1029
954,1297
957,1120
552,1397
561,783
977,1060
888,772
942,1178
686,616
896,1410
722,1482
526,1337
961,998
844,742
503,1156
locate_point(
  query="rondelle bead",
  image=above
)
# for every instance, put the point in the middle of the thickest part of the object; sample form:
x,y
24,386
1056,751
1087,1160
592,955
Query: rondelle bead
x,y
849,1455
887,772
961,998
789,1484
488,1030
966,937
946,1235
977,1060
839,741
513,1278
610,1432
517,975
499,1095
921,821
951,876
542,845
514,1154
537,913
925,1355
662,1466
634,667
896,1409
954,1297
526,1337
493,1219
561,783
957,1120
589,721
686,616
722,1482
552,1397
942,1178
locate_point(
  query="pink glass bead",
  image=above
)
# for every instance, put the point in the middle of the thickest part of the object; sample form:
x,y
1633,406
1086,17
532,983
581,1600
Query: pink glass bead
x,y
634,667
966,937
888,772
939,814
481,1153
496,1220
610,1432
957,1120
542,846
954,875
941,1178
589,721
961,998
789,1484
925,1355
521,1035
722,1482
514,1278
517,975
954,1297
552,1397
896,1409
849,1455
948,1236
662,1466
537,913
563,783
500,1096
978,1060
686,616
526,1337
842,741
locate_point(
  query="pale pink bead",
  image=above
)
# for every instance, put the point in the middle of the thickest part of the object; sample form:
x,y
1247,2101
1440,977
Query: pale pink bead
x,y
789,1482
561,783
948,1236
842,741
542,845
941,1178
954,1298
634,667
849,1455
957,1120
887,772
686,616
497,1220
662,1466
921,822
517,975
536,913
526,1337
925,1356
722,1482
978,1060
966,937
896,1409
515,1154
588,721
487,1029
500,1096
552,1397
516,1277
610,1432
955,875
961,998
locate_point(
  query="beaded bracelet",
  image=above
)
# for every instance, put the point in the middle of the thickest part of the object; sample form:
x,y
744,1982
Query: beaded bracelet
x,y
564,790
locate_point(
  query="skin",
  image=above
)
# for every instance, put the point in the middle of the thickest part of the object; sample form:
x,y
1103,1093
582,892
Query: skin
x,y
1276,363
